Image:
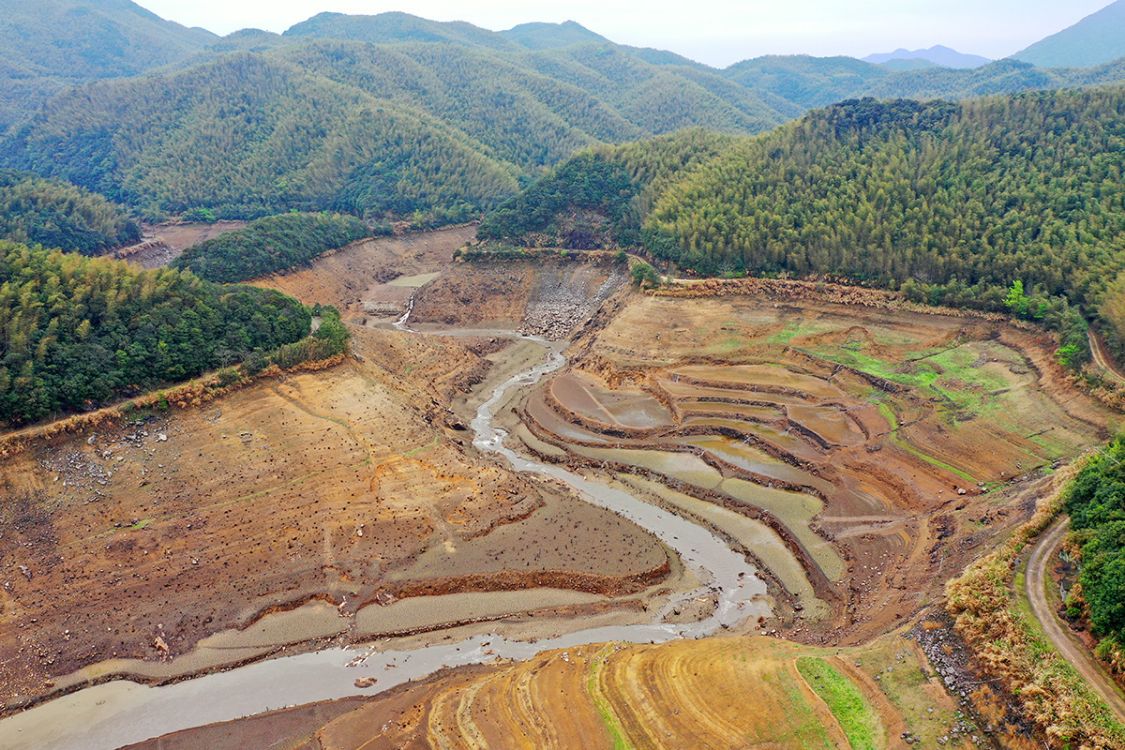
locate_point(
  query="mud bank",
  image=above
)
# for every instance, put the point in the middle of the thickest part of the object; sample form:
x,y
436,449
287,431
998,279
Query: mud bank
x,y
120,713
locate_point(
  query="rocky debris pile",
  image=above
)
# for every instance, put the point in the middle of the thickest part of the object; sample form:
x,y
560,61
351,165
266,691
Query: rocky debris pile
x,y
92,469
950,658
382,309
76,469
561,305
152,253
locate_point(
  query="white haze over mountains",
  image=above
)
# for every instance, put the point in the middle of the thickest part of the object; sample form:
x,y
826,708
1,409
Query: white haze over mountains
x,y
716,32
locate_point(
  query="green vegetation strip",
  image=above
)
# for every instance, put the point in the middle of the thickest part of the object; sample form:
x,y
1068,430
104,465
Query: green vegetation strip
x,y
896,439
857,718
609,718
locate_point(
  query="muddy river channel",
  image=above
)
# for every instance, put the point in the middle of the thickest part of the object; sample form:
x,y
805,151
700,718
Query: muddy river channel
x,y
118,713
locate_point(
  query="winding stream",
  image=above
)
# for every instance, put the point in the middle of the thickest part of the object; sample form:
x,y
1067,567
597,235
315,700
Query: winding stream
x,y
117,713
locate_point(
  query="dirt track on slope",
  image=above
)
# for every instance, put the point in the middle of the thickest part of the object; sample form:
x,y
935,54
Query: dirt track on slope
x,y
1102,359
1075,653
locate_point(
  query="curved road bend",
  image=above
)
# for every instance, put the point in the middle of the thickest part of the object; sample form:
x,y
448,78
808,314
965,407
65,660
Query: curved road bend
x,y
1102,359
1071,649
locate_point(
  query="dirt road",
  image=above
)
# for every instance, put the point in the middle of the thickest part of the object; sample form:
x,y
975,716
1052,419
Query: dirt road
x,y
1102,359
1068,646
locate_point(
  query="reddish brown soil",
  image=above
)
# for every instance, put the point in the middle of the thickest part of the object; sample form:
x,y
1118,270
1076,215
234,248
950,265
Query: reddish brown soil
x,y
163,243
358,279
900,506
549,297
336,485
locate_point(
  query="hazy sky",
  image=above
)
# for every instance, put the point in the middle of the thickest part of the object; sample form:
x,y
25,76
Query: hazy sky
x,y
717,32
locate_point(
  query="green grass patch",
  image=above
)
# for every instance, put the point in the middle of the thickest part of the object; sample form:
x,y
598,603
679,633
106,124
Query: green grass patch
x,y
143,523
808,731
888,414
857,718
931,460
609,718
795,330
950,375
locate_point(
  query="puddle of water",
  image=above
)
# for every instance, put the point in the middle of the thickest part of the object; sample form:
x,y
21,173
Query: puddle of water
x,y
744,456
753,535
686,467
415,282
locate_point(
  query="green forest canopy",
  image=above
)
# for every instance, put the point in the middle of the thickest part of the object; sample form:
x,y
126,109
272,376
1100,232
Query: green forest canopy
x,y
966,197
950,202
57,214
76,332
600,197
1096,504
362,129
394,115
271,245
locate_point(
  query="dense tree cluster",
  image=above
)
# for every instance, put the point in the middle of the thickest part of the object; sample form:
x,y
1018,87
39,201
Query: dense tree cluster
x,y
56,214
248,137
75,332
47,45
270,245
392,115
957,204
1096,504
329,339
951,202
1112,312
427,131
600,197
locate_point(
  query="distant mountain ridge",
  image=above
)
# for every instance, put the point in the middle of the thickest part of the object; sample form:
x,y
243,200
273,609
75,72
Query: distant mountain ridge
x,y
46,45
552,35
938,55
1096,39
394,115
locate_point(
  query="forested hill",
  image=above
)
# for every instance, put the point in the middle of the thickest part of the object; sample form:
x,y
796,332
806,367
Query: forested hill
x,y
974,195
1096,39
79,331
48,44
801,82
251,135
600,197
952,202
398,115
270,245
56,214
354,127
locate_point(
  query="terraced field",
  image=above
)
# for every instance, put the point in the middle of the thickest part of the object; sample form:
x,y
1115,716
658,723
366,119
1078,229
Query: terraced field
x,y
871,450
858,455
714,693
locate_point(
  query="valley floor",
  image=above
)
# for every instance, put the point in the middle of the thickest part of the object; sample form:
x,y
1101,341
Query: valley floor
x,y
856,451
